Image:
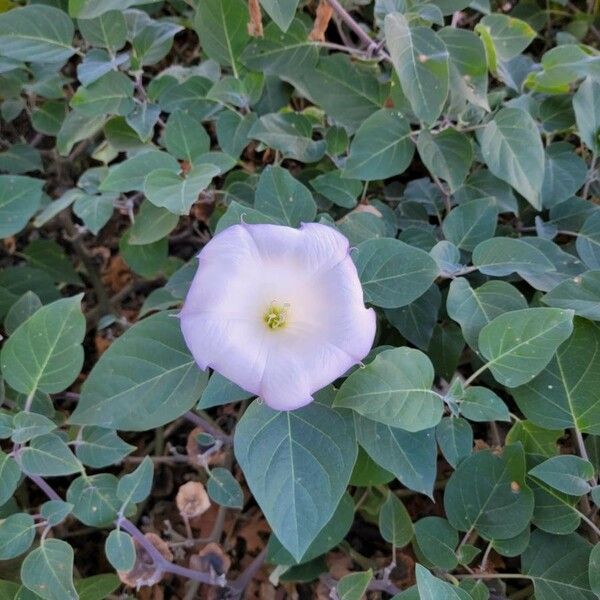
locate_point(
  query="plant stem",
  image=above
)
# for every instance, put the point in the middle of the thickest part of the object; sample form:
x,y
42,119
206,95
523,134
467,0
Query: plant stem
x,y
197,420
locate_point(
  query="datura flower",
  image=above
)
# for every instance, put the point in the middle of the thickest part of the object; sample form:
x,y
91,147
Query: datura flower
x,y
278,311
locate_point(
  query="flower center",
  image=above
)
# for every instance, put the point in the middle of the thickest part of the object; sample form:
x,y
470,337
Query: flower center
x,y
275,317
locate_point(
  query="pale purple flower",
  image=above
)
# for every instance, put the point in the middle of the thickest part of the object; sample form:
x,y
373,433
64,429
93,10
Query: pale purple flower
x,y
278,311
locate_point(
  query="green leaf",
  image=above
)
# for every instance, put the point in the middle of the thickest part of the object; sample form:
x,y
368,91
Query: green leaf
x,y
588,241
232,131
89,9
151,224
224,489
77,127
48,455
509,35
20,158
501,256
594,570
36,33
221,27
337,189
566,473
381,148
367,472
20,197
472,308
393,274
221,391
16,535
21,310
297,465
281,11
145,379
558,566
55,511
436,540
489,493
566,393
142,120
395,523
120,550
290,133
411,457
94,499
111,94
564,173
166,189
184,137
130,174
519,344
108,30
48,571
136,486
27,426
99,447
354,585
582,294
97,587
15,281
480,404
455,437
512,149
394,389
448,155
45,352
95,211
10,475
586,103
471,223
432,588
48,256
359,226
420,58
48,117
538,442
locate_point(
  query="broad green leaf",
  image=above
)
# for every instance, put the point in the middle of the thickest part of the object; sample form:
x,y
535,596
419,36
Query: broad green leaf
x,y
393,274
338,189
95,210
48,256
417,320
554,511
151,224
284,198
564,173
48,117
77,127
395,524
48,455
501,256
432,588
27,426
354,585
15,281
36,33
16,535
20,311
367,472
224,489
420,58
445,349
55,511
108,30
359,226
166,189
471,223
482,184
538,442
394,389
588,241
99,447
455,437
145,379
411,457
20,158
448,155
509,35
142,120
489,493
136,486
89,9
238,213
48,571
97,587
20,197
232,131
94,499
566,473
512,149
582,294
120,550
281,11
154,41
519,344
331,535
381,148
45,352
436,540
221,27
221,391
586,103
297,465
184,137
130,174
111,94
558,566
472,308
480,404
567,392
594,569
10,475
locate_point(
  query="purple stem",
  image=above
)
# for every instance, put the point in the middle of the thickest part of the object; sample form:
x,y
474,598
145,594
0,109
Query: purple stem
x,y
197,420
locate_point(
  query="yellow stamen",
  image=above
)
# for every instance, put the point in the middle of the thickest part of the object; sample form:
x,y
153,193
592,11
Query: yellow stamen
x,y
275,317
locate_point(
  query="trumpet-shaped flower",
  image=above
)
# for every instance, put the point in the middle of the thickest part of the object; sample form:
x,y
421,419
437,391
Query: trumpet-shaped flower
x,y
278,311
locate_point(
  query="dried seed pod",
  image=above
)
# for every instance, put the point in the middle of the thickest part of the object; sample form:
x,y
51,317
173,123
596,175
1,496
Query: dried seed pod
x,y
324,14
255,27
211,559
202,453
145,572
192,500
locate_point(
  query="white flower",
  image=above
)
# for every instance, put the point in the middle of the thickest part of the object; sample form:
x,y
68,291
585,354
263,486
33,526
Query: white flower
x,y
278,311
